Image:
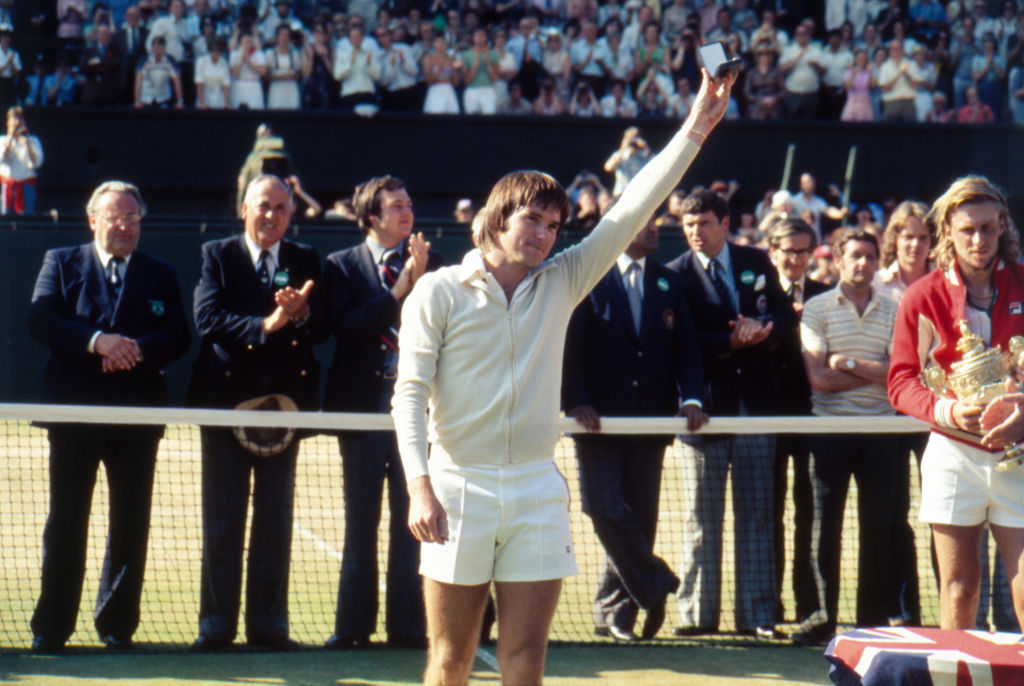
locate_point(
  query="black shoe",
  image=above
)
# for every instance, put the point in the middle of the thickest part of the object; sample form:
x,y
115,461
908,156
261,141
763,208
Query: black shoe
x,y
622,635
652,623
278,644
116,644
602,632
337,642
44,645
812,633
209,644
684,631
408,642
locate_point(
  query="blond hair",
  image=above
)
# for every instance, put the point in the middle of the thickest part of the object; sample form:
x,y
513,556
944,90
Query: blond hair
x,y
969,190
903,212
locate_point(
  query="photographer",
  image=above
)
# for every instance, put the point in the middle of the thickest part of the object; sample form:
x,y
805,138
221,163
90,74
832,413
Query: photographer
x,y
583,103
21,154
625,162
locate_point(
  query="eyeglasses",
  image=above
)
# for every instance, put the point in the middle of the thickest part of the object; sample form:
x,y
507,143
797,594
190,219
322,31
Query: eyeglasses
x,y
795,253
121,219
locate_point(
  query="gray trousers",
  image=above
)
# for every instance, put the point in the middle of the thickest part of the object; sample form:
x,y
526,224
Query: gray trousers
x,y
706,464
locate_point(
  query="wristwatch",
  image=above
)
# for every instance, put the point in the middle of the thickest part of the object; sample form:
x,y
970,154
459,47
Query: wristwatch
x,y
851,363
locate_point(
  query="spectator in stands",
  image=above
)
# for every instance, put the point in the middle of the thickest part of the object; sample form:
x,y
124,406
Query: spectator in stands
x,y
71,16
621,64
583,103
504,63
549,102
685,63
800,64
989,72
974,110
174,30
440,72
651,54
21,155
556,62
680,103
589,57
479,70
248,67
631,156
281,14
319,87
652,101
99,70
213,78
858,79
836,61
33,92
763,85
899,79
365,287
586,210
927,17
527,49
357,69
516,103
791,242
259,311
740,314
284,71
10,69
464,211
618,103
623,358
847,341
965,48
131,42
768,32
929,78
675,17
807,199
1016,94
398,74
112,319
940,113
973,289
157,80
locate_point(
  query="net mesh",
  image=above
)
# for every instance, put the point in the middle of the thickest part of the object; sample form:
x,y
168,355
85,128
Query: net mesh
x,y
170,600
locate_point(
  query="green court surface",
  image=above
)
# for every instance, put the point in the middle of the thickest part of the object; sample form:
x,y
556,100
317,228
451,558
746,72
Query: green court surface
x,y
566,666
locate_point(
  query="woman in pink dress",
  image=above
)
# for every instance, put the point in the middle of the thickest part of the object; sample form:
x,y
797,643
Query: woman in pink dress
x,y
859,80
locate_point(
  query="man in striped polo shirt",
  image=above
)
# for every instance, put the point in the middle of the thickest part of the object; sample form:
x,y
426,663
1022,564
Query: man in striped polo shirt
x,y
846,335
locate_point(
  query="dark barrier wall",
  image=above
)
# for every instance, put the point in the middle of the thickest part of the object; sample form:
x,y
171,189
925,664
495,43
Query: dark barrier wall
x,y
187,163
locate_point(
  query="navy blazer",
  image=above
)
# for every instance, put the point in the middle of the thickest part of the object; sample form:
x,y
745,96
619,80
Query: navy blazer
x,y
361,311
796,390
237,361
747,373
72,300
622,373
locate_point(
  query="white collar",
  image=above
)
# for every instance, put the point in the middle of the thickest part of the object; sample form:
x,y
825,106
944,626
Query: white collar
x,y
255,251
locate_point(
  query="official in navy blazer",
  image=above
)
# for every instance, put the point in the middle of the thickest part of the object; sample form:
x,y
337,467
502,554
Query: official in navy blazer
x,y
112,319
631,350
259,311
365,286
741,315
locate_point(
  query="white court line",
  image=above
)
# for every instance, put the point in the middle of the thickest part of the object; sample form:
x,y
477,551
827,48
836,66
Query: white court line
x,y
489,658
320,543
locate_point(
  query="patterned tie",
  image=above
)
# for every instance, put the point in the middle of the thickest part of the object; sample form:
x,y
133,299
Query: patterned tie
x,y
116,277
263,272
390,267
796,293
633,291
715,272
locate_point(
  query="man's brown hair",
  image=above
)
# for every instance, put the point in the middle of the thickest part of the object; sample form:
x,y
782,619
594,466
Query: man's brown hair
x,y
366,198
514,191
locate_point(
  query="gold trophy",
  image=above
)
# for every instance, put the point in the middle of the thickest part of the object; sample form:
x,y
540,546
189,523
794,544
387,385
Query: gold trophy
x,y
980,377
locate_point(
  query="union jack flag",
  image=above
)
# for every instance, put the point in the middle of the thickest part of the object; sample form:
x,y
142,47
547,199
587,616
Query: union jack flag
x,y
926,657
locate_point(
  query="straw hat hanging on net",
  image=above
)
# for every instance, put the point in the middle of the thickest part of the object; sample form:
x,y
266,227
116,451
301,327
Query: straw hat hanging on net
x,y
266,441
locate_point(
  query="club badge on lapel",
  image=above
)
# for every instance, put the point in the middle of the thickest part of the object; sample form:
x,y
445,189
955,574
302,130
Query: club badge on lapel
x,y
157,307
662,284
760,283
762,304
281,278
746,277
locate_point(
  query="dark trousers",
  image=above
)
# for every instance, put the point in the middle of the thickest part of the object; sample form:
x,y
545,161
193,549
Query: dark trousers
x,y
227,468
368,459
404,99
904,591
620,480
129,457
872,461
802,579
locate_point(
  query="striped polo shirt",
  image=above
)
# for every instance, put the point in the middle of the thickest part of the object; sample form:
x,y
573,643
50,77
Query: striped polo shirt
x,y
830,324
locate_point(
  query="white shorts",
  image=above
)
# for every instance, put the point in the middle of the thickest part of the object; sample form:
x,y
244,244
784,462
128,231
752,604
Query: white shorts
x,y
960,485
505,523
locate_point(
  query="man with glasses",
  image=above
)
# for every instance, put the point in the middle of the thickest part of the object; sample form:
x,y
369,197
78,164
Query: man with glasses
x,y
112,319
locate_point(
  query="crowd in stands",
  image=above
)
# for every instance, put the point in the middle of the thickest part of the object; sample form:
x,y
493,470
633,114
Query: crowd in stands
x,y
922,60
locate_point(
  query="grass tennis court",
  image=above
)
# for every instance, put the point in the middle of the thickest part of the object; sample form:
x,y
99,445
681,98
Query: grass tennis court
x,y
171,596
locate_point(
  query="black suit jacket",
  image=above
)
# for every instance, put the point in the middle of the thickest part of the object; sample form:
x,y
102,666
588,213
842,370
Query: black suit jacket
x,y
72,300
361,310
237,361
101,69
622,373
796,390
747,374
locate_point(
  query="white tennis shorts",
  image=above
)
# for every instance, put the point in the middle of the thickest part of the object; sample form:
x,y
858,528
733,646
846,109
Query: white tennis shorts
x,y
505,523
960,485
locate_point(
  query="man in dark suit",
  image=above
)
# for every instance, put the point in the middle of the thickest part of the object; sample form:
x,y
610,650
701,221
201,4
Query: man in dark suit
x,y
365,286
630,350
259,311
112,318
791,242
100,69
130,42
740,314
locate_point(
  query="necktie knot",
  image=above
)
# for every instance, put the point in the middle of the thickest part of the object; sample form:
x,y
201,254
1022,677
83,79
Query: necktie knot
x,y
715,272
